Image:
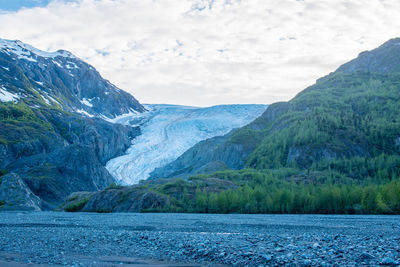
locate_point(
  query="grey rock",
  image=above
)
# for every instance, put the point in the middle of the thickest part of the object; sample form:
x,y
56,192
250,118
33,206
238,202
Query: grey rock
x,y
126,199
384,59
316,245
366,256
64,151
64,81
206,157
266,257
16,195
388,261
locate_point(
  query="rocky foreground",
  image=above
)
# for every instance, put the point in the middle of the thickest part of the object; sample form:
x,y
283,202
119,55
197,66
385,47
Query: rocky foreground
x,y
88,239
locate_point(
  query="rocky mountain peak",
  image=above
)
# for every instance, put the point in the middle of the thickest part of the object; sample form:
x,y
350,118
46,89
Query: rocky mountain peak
x,y
382,60
59,79
28,52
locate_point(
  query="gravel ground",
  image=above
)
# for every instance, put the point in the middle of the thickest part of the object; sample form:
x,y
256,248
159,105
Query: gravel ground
x,y
88,239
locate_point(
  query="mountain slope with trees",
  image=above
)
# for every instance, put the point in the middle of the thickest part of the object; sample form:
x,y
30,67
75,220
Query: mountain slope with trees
x,y
351,113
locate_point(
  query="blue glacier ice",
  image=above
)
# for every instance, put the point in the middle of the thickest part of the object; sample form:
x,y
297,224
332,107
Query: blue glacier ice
x,y
169,130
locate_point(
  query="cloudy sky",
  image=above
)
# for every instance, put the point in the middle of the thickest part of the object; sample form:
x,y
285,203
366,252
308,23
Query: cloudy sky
x,y
206,52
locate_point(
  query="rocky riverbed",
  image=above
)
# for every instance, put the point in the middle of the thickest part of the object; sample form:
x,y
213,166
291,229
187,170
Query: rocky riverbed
x,y
88,239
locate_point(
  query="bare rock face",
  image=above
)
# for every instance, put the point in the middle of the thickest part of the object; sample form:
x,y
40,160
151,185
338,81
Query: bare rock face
x,y
384,59
129,199
119,199
16,195
207,156
55,129
71,162
61,79
305,156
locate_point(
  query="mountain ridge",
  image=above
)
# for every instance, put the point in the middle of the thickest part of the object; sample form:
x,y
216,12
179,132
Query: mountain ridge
x,y
56,133
61,79
273,121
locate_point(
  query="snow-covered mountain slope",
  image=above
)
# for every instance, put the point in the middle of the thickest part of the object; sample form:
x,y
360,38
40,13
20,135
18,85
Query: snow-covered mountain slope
x,y
169,130
59,79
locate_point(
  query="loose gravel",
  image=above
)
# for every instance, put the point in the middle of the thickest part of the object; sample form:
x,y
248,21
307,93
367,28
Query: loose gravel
x,y
88,239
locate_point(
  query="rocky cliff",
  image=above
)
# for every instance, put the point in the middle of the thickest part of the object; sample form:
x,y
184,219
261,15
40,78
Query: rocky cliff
x,y
60,79
54,133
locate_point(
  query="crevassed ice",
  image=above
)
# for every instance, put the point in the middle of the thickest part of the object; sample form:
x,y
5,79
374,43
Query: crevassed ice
x,y
169,130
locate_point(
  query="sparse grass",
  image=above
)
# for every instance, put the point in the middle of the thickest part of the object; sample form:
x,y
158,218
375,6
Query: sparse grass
x,y
104,210
113,186
76,206
3,172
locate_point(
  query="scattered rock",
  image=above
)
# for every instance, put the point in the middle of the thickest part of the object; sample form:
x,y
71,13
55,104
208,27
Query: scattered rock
x,y
315,246
388,261
50,238
366,256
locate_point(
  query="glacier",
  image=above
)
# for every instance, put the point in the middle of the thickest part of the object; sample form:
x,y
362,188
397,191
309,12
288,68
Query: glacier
x,y
169,130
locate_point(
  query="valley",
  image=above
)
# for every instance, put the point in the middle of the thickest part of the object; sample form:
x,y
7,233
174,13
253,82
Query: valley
x,y
71,140
199,133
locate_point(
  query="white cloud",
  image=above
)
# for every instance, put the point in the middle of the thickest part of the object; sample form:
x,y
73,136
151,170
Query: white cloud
x,y
202,53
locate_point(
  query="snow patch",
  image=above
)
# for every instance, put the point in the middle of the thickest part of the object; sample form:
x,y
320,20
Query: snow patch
x,y
27,52
7,69
71,65
169,130
46,100
52,99
6,96
83,112
123,118
40,83
57,63
86,102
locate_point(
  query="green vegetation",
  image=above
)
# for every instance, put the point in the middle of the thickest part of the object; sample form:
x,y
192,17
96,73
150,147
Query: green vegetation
x,y
114,186
76,206
342,116
280,191
104,210
19,123
3,172
333,149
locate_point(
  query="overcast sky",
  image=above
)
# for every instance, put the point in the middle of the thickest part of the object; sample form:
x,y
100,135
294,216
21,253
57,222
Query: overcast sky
x,y
206,52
